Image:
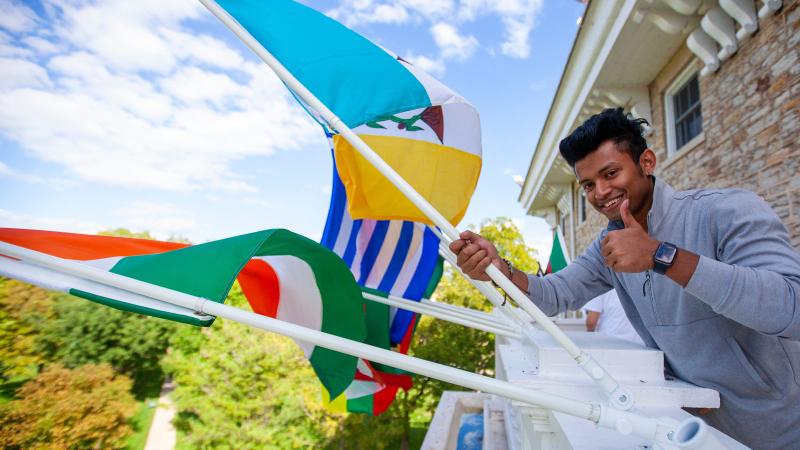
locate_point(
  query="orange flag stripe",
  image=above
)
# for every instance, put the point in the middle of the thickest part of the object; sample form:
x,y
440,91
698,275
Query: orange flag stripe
x,y
83,247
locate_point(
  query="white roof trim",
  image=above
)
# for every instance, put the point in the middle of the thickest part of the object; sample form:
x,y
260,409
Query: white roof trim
x,y
600,29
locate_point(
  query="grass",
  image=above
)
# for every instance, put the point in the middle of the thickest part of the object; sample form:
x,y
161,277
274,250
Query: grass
x,y
141,422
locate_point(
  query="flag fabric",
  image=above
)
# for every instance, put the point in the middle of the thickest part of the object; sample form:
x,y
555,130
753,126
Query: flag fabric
x,y
387,258
429,134
559,258
282,274
391,256
374,387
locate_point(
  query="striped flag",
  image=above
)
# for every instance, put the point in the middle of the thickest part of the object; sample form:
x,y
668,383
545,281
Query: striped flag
x,y
386,257
391,256
429,134
282,274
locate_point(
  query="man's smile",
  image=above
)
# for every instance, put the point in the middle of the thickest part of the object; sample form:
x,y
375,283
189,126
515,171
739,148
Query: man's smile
x,y
613,203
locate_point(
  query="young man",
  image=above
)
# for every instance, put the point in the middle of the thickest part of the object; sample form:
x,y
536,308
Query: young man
x,y
707,276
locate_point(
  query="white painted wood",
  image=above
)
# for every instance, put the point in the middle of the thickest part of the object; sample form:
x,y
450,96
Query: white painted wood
x,y
720,27
744,13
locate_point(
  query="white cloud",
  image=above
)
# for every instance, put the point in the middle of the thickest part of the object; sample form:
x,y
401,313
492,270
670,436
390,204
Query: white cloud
x,y
162,220
434,67
16,17
12,219
41,45
134,98
8,172
451,43
517,17
18,73
516,43
356,12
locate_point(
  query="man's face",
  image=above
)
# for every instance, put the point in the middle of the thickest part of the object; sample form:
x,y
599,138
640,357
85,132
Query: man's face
x,y
609,176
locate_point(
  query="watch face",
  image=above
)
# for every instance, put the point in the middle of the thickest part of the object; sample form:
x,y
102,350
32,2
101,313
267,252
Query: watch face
x,y
665,253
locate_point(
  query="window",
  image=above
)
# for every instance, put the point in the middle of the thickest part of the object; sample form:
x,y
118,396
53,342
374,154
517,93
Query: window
x,y
684,118
564,221
688,118
581,205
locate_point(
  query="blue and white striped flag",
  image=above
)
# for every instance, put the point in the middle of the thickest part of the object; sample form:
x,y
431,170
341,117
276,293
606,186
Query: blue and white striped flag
x,y
393,256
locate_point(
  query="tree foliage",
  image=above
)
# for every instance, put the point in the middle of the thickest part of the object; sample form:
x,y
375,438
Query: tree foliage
x,y
238,387
23,310
88,407
124,232
82,332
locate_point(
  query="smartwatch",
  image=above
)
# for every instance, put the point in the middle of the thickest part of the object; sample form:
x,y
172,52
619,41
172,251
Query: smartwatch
x,y
664,257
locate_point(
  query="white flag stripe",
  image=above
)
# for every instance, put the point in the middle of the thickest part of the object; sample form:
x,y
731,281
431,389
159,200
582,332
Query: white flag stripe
x,y
300,300
58,281
364,235
385,254
361,388
104,263
413,257
343,237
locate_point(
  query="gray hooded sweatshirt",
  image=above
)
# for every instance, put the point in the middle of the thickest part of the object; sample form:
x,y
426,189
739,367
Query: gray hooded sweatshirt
x,y
734,328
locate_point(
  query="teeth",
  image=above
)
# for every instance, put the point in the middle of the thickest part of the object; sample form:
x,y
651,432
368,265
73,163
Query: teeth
x,y
612,202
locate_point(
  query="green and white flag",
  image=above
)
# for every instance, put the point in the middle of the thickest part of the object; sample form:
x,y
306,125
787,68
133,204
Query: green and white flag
x,y
282,274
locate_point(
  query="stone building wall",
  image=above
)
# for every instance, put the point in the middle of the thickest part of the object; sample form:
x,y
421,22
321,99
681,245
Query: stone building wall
x,y
751,124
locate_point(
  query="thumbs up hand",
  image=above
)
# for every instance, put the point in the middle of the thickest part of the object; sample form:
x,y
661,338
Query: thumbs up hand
x,y
630,249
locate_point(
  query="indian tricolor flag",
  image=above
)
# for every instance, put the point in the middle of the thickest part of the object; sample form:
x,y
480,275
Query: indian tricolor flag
x,y
282,274
429,134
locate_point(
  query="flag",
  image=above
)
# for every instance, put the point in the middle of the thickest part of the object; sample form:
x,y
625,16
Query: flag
x,y
375,385
386,257
559,258
282,275
429,134
394,257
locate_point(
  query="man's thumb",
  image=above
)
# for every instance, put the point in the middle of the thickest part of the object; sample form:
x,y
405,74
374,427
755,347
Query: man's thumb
x,y
625,213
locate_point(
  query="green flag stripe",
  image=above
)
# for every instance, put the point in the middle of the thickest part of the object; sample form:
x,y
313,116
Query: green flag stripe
x,y
204,270
360,405
129,307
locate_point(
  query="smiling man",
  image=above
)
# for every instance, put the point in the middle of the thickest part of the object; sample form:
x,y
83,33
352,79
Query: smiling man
x,y
707,276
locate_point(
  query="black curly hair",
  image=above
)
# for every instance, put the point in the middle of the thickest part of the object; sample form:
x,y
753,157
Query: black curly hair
x,y
612,123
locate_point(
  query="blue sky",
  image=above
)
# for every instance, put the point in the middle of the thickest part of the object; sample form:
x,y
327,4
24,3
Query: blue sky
x,y
150,115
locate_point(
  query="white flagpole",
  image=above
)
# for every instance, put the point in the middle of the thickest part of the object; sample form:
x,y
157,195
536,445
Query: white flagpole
x,y
618,395
486,288
664,430
469,313
433,312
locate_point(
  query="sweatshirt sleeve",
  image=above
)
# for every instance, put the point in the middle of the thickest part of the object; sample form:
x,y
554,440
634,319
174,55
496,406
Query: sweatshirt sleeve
x,y
755,277
570,288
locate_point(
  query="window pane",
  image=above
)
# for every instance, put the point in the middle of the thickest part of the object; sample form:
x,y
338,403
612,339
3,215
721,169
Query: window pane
x,y
688,117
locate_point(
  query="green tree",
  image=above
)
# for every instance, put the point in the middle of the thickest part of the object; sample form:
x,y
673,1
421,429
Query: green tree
x,y
124,232
23,310
88,407
82,332
239,387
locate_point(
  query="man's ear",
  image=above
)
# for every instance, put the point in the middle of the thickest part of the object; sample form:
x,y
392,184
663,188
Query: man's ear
x,y
647,161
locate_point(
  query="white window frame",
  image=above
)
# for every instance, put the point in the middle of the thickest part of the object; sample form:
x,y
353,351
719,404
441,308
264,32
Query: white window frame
x,y
669,107
580,205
